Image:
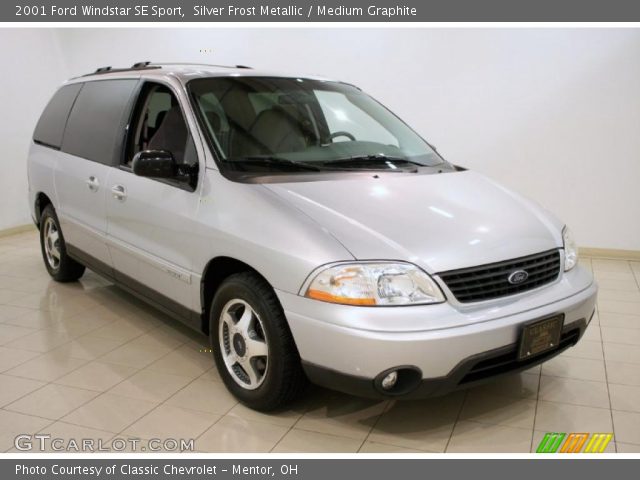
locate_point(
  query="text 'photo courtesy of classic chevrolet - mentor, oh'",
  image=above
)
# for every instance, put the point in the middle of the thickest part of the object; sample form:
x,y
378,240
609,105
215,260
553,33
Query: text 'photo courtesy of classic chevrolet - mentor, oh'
x,y
302,226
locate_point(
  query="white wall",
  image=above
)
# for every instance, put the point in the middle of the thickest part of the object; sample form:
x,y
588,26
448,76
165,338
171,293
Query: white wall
x,y
32,70
552,113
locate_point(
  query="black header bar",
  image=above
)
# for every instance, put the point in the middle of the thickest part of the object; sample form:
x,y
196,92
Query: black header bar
x,y
320,11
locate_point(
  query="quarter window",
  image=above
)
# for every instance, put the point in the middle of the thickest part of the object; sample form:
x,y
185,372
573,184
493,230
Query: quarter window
x,y
50,127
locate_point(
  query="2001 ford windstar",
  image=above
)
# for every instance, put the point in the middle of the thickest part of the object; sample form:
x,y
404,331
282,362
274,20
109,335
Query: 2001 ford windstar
x,y
305,228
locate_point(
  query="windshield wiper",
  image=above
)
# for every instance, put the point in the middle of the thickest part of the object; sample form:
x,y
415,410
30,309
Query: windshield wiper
x,y
273,161
371,160
350,163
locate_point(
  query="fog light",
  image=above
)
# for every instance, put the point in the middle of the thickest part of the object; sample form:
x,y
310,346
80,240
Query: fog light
x,y
390,380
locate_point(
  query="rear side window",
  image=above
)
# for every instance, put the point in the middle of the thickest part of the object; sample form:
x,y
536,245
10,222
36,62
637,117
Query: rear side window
x,y
50,127
96,126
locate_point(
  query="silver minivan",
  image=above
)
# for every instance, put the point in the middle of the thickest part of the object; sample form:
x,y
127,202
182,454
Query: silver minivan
x,y
302,226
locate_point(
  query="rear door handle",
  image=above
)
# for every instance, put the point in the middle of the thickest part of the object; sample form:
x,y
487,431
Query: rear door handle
x,y
119,192
93,183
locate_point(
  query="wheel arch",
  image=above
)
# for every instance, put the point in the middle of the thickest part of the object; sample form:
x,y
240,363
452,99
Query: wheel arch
x,y
41,202
217,270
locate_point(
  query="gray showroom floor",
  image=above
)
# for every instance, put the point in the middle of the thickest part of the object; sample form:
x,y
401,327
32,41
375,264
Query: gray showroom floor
x,y
85,360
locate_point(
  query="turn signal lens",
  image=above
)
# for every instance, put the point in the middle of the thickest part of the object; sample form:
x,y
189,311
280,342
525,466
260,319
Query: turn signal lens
x,y
327,297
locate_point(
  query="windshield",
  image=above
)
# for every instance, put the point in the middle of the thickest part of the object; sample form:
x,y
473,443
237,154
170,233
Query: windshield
x,y
272,124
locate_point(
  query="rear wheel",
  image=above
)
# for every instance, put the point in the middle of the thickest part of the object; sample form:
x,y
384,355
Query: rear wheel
x,y
54,252
252,345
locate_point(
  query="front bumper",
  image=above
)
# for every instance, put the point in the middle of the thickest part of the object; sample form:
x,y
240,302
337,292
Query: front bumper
x,y
347,348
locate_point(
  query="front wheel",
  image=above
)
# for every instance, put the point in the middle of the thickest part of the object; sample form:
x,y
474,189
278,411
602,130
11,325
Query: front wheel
x,y
252,344
60,265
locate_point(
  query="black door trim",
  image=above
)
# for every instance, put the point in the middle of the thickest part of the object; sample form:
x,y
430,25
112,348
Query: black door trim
x,y
152,297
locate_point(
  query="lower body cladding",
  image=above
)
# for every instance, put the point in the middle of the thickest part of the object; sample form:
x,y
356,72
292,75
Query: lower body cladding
x,y
431,350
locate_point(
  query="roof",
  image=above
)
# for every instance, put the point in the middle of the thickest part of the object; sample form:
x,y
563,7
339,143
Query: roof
x,y
183,71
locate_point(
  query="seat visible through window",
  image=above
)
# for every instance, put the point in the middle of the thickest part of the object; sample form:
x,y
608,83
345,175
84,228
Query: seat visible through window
x,y
160,125
277,131
171,134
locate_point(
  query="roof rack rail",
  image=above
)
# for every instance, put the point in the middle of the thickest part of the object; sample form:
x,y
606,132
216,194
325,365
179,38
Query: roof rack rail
x,y
155,65
135,66
201,64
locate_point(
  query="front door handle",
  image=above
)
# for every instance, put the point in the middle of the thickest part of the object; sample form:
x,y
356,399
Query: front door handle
x,y
118,192
93,183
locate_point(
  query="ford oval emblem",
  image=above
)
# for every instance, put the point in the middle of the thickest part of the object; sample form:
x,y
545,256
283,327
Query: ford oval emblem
x,y
517,277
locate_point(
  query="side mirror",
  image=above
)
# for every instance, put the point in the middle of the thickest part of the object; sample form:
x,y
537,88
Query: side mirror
x,y
154,164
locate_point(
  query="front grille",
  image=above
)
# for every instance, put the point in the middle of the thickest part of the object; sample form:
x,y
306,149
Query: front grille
x,y
508,361
491,281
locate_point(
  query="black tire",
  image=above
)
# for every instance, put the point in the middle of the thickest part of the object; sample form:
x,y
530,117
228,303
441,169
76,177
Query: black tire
x,y
284,379
66,269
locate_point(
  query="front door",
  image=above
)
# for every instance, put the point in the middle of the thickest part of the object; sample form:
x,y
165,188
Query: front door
x,y
150,220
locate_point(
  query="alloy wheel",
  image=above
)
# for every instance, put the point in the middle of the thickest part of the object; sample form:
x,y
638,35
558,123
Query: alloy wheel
x,y
51,238
243,344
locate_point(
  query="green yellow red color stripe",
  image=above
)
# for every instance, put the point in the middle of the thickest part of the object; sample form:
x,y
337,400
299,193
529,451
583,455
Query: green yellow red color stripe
x,y
552,442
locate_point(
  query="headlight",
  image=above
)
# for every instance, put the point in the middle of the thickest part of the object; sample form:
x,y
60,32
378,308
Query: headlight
x,y
570,249
374,284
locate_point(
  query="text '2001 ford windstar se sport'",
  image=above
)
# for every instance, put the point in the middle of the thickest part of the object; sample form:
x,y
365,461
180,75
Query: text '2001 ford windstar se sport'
x,y
305,228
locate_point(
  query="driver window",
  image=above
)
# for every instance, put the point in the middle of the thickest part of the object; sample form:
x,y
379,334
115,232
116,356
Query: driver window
x,y
159,125
343,116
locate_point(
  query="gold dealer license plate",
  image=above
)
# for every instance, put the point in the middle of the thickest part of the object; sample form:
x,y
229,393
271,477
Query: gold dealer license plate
x,y
540,336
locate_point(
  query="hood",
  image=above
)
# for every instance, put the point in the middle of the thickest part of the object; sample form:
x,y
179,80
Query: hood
x,y
440,221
